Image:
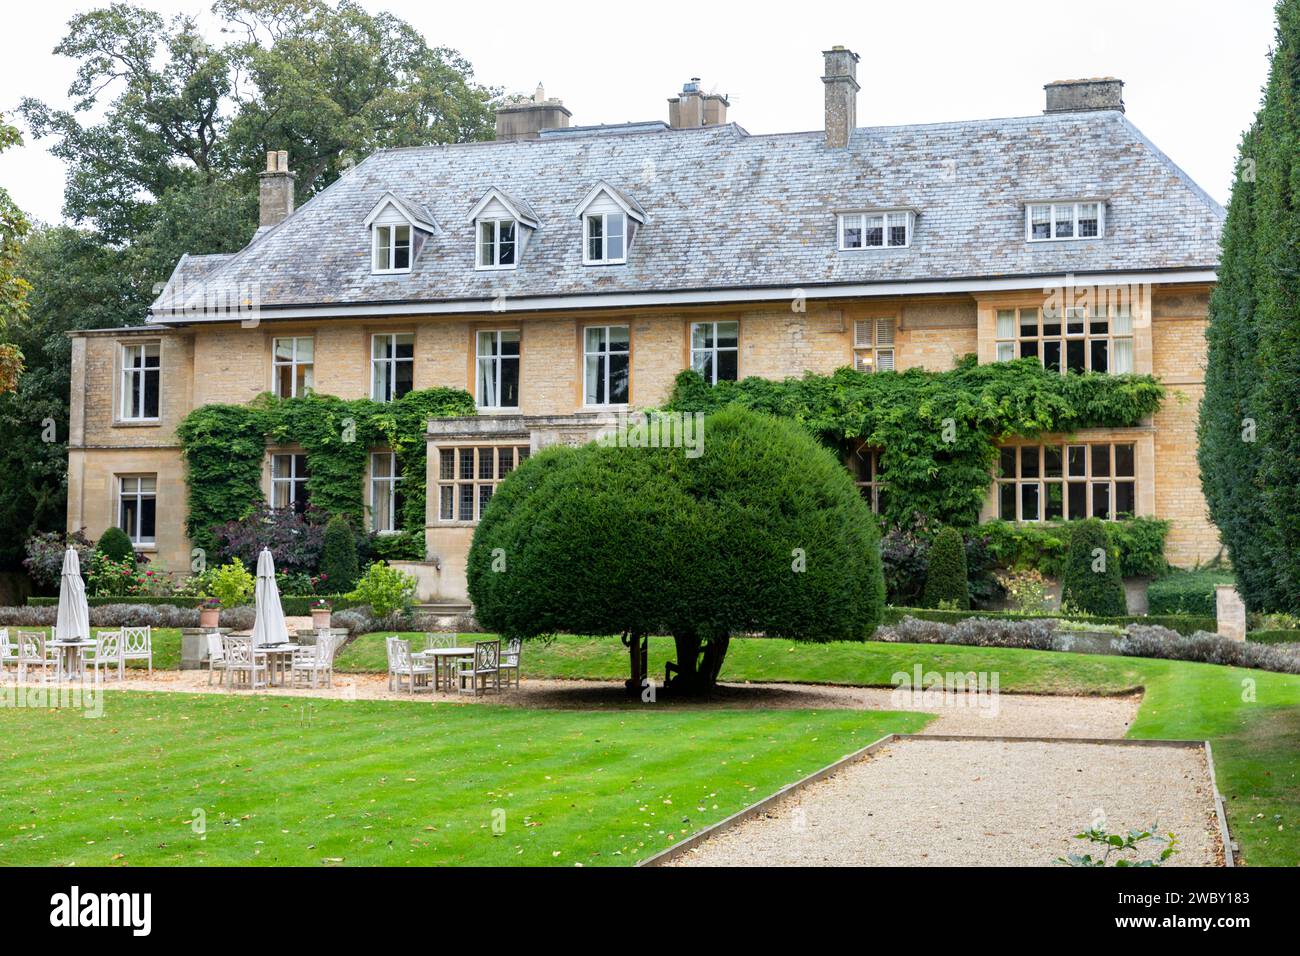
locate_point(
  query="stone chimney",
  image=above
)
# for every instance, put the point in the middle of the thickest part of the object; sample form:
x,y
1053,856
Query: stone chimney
x,y
526,120
841,82
275,189
693,109
1078,96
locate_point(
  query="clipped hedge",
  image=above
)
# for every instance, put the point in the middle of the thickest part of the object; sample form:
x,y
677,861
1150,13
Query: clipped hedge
x,y
1274,637
1138,543
294,605
1187,592
1186,624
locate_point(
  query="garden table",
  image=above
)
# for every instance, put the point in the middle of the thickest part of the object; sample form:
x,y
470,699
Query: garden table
x,y
72,659
445,657
278,657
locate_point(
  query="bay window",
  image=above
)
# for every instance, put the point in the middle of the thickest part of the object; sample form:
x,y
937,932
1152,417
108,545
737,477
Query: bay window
x,y
468,477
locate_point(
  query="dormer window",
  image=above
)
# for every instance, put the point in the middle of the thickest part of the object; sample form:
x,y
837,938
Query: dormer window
x,y
398,228
609,222
496,243
883,229
502,227
1054,221
606,238
392,249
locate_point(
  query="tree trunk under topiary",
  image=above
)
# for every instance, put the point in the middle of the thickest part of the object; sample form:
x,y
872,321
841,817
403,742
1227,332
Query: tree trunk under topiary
x,y
699,661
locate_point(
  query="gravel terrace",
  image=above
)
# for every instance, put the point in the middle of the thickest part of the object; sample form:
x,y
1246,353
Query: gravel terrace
x,y
977,803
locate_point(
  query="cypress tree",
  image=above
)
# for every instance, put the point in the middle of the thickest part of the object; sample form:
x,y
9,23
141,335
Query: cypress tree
x,y
339,557
945,578
1277,278
1228,448
1092,583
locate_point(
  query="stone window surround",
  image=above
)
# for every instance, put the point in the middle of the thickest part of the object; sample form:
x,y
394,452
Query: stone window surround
x,y
471,364
581,359
1141,437
987,307
120,344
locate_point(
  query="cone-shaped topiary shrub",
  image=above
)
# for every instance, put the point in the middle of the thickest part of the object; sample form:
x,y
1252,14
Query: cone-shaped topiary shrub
x,y
339,558
763,531
945,578
115,544
1092,583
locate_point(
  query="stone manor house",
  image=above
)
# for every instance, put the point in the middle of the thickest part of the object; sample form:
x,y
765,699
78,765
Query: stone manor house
x,y
563,273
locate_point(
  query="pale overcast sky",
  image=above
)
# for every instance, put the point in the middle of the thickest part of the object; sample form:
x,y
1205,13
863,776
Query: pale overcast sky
x,y
1193,68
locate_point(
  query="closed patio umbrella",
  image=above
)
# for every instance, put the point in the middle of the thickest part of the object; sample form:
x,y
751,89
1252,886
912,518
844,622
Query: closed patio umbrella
x,y
269,626
73,622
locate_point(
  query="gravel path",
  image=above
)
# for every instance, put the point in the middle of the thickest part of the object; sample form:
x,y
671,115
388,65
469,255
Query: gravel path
x,y
977,803
1013,715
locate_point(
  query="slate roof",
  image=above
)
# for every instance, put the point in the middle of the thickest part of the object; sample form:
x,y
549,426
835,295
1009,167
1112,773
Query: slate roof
x,y
728,210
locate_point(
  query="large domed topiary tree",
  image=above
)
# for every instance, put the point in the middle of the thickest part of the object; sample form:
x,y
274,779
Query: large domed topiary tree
x,y
762,532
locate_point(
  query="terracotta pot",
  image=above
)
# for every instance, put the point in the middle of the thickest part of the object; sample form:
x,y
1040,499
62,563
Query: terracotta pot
x,y
209,617
320,617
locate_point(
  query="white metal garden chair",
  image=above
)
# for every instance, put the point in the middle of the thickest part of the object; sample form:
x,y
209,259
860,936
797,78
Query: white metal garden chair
x,y
510,661
137,645
483,668
216,657
107,653
315,661
243,663
401,665
33,653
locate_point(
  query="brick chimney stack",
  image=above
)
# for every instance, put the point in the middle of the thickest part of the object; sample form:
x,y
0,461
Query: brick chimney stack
x,y
275,189
692,109
841,81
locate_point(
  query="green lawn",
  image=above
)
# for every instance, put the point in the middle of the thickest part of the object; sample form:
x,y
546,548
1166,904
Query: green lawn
x,y
1256,742
298,782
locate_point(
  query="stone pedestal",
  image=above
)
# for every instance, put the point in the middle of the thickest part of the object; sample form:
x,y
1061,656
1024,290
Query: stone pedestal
x,y
307,637
194,646
1230,612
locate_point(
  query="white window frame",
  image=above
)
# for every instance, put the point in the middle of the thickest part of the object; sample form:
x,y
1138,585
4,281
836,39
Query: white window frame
x,y
454,485
1087,479
392,363
496,225
715,349
391,228
604,218
874,348
292,480
393,480
1119,333
133,374
1068,211
135,534
498,360
848,220
293,363
588,356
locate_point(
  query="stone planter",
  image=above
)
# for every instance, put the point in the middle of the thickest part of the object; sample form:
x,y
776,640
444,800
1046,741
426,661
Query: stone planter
x,y
209,617
320,617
